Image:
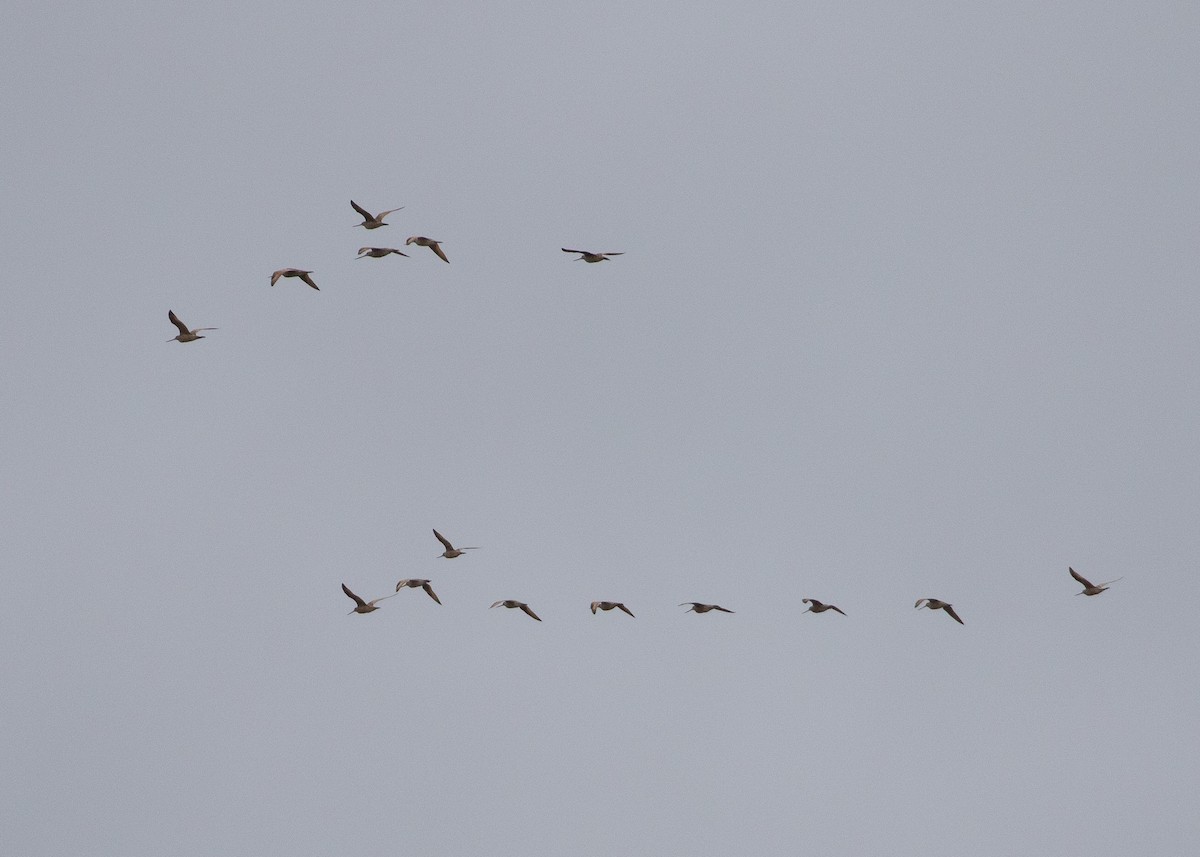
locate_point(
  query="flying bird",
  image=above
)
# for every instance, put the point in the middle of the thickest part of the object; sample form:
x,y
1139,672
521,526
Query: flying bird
x,y
451,551
588,256
817,607
934,604
702,608
422,241
293,272
609,605
372,221
510,603
185,335
421,584
363,606
1090,588
377,252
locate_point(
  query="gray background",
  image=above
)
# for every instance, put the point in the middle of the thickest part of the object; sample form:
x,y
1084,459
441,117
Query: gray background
x,y
908,308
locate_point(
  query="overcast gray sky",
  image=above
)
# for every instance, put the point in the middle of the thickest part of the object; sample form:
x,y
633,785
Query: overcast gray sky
x,y
908,308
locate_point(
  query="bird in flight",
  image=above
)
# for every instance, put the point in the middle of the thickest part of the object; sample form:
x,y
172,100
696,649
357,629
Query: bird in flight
x,y
363,606
419,584
818,607
422,241
377,252
1090,588
609,605
934,604
510,603
451,551
588,256
185,335
293,272
372,221
703,608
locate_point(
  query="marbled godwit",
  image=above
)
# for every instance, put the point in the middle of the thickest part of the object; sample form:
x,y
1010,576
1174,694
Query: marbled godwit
x,y
363,606
422,241
696,605
589,256
419,584
293,272
185,335
451,551
1090,588
818,607
377,252
510,603
609,605
934,604
372,221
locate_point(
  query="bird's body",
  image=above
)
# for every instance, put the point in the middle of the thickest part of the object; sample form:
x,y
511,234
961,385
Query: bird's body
x,y
935,604
1090,588
422,241
451,551
363,606
589,256
185,335
377,252
817,607
419,584
372,221
516,604
609,605
293,272
703,608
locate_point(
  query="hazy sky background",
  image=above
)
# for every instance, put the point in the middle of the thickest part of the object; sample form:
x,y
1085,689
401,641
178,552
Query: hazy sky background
x,y
908,308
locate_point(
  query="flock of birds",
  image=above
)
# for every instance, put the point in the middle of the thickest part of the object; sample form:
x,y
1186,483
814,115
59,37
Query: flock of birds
x,y
375,221
814,606
370,221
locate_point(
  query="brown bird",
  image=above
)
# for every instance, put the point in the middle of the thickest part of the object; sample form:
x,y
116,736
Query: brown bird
x,y
372,221
377,252
589,256
185,335
510,603
293,272
1090,588
422,241
363,606
609,605
696,605
934,604
451,551
421,584
818,607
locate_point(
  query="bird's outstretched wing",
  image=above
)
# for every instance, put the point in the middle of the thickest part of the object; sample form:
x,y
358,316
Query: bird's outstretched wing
x,y
357,600
1079,577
